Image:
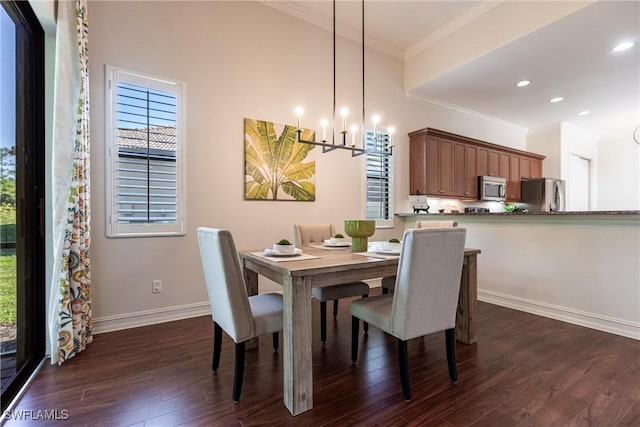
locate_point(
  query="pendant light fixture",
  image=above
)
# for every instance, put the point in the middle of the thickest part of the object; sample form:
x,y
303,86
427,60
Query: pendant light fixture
x,y
357,147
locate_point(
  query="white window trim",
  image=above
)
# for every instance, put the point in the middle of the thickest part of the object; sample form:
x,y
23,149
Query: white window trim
x,y
380,223
113,228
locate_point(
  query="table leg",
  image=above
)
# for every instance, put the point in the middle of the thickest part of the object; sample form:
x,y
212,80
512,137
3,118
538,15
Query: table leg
x,y
297,359
251,282
466,317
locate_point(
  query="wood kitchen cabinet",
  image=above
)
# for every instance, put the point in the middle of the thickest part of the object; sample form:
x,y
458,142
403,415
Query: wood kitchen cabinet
x,y
443,164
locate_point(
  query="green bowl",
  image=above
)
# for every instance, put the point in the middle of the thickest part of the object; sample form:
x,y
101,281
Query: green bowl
x,y
359,230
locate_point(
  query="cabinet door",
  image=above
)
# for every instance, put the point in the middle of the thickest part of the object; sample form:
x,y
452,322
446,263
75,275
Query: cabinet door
x,y
513,181
459,168
536,168
446,167
504,165
418,165
432,166
470,174
482,162
525,167
494,163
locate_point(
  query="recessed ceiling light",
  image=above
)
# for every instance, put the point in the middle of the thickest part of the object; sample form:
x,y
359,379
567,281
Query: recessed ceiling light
x,y
584,113
556,99
523,83
623,46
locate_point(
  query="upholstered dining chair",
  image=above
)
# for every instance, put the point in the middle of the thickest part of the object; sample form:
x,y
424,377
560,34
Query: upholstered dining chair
x,y
241,316
305,234
390,281
425,299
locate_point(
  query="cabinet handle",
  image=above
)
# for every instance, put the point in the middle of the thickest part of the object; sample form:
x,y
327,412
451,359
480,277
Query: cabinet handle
x,y
490,174
466,193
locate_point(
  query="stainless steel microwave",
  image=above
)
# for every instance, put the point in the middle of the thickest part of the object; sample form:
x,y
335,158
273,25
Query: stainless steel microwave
x,y
492,188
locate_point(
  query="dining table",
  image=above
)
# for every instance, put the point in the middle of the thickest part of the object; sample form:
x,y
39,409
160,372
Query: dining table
x,y
320,266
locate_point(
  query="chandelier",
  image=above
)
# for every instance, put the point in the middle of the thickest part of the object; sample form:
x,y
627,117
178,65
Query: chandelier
x,y
356,147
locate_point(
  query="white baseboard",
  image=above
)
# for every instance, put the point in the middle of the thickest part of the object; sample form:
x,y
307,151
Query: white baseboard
x,y
612,325
149,317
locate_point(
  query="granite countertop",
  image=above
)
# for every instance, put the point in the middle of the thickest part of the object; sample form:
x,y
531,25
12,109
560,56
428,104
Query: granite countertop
x,y
566,213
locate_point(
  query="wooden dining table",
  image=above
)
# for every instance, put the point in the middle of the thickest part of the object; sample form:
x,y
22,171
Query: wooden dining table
x,y
329,267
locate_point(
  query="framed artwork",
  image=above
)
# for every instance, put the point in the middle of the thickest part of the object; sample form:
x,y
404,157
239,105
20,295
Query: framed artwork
x,y
276,167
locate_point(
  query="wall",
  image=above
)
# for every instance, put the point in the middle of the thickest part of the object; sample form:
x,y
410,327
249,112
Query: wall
x,y
615,162
619,174
238,59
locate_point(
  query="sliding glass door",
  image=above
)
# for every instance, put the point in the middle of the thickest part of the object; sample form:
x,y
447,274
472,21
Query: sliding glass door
x,y
22,278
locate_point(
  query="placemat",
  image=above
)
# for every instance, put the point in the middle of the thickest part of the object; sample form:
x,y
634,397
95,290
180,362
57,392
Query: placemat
x,y
330,248
377,255
284,258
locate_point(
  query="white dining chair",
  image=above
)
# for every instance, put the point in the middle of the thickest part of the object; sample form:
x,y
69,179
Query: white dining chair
x,y
306,234
241,316
425,299
389,282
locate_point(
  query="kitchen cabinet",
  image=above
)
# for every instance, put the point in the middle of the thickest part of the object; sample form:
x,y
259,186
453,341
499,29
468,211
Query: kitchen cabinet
x,y
417,165
443,164
513,179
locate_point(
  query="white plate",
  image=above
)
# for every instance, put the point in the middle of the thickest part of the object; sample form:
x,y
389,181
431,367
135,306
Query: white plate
x,y
271,252
337,245
392,252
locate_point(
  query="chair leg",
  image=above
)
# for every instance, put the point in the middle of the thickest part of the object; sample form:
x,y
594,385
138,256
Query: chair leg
x,y
355,330
365,325
217,345
276,336
403,359
335,307
238,374
450,337
323,321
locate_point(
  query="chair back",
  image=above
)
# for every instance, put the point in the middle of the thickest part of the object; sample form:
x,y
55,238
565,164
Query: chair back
x,y
436,224
303,234
225,283
425,297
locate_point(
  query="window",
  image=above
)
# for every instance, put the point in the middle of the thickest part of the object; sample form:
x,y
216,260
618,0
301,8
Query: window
x,y
379,180
145,153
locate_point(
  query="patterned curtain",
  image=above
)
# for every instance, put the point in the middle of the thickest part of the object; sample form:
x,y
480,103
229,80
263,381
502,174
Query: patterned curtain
x,y
70,308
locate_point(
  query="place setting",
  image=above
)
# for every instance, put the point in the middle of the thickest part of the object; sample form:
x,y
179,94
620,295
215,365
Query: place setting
x,y
283,250
385,250
336,242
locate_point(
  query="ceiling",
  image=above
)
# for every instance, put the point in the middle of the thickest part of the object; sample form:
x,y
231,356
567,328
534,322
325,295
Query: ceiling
x,y
570,57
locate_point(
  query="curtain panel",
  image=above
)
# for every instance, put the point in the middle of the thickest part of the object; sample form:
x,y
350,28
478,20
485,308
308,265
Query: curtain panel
x,y
70,327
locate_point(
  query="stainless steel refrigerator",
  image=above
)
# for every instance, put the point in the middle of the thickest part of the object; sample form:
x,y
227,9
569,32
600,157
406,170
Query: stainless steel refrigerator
x,y
543,194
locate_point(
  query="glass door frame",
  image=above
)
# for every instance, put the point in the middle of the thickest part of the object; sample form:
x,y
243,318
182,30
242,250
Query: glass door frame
x,y
30,196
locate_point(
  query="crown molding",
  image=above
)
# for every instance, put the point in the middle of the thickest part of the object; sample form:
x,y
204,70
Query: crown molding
x,y
450,28
446,106
345,31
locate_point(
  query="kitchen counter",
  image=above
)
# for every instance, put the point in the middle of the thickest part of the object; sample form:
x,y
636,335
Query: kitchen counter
x,y
578,267
566,213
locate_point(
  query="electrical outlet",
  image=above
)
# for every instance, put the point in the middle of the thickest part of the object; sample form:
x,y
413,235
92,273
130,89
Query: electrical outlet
x,y
156,286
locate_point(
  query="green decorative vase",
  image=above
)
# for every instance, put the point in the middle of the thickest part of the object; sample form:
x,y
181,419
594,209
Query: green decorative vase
x,y
359,230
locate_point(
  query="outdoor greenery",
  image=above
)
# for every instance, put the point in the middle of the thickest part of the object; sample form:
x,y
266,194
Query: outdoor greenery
x,y
8,286
8,234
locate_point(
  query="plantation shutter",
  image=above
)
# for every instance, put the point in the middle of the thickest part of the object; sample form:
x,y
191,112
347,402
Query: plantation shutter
x,y
379,173
146,150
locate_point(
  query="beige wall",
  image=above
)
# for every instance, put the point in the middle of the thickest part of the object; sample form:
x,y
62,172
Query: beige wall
x,y
238,59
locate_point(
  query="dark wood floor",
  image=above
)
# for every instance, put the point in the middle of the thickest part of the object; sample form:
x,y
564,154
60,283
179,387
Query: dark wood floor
x,y
525,370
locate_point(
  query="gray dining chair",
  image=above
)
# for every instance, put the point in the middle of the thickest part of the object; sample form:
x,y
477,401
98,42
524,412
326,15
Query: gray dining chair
x,y
389,282
425,299
306,234
241,316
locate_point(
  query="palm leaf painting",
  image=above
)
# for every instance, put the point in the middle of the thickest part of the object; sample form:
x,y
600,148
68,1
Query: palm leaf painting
x,y
276,166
